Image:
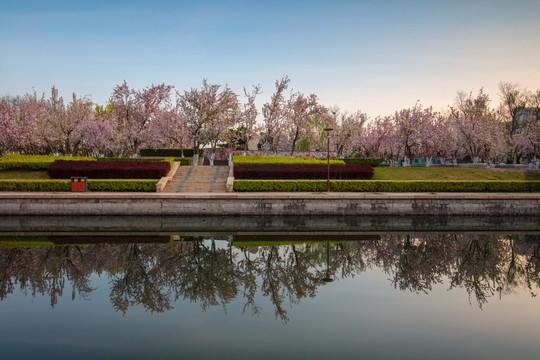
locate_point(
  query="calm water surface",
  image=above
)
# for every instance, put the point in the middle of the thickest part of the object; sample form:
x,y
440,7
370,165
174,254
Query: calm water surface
x,y
269,294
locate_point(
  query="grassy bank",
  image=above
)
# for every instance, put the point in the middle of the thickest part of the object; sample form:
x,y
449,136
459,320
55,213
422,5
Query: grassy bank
x,y
443,173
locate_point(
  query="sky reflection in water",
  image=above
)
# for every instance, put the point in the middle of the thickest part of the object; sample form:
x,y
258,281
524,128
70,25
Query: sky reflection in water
x,y
392,296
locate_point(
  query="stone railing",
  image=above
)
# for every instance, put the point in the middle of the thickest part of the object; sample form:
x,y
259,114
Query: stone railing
x,y
164,180
230,179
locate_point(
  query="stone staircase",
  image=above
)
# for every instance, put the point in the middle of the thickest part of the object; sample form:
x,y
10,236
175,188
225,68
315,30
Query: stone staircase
x,y
199,179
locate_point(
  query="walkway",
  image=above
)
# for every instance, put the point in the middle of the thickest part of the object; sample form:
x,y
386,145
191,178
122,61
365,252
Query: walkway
x,y
206,179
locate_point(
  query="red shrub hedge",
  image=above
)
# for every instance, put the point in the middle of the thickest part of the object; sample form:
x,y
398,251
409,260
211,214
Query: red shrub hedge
x,y
62,169
286,171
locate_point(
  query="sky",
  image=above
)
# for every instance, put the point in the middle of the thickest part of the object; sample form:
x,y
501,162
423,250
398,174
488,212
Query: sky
x,y
374,56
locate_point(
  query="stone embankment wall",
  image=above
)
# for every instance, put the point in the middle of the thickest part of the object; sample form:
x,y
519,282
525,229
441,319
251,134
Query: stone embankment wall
x,y
246,225
269,204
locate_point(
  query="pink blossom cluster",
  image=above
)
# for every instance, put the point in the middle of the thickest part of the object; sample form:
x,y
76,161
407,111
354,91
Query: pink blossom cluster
x,y
290,124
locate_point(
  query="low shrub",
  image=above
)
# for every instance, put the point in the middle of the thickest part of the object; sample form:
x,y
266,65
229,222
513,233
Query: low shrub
x,y
35,185
62,169
184,161
363,161
34,162
267,160
289,171
170,160
279,186
167,152
386,186
122,185
65,185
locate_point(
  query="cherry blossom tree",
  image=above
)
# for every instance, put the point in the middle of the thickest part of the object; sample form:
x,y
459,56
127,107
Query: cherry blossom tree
x,y
209,113
100,135
436,137
513,102
134,112
349,133
274,114
63,127
20,120
299,113
479,131
529,140
171,130
409,124
381,140
250,113
8,125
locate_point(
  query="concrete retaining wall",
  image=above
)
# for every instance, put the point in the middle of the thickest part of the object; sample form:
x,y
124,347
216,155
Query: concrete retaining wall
x,y
272,204
262,225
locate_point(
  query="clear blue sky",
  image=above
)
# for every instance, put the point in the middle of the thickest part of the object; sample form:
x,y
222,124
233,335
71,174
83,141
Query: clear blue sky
x,y
374,56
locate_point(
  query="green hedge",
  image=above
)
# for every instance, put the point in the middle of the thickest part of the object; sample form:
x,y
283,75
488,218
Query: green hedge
x,y
275,160
184,161
279,185
35,185
171,160
167,152
34,162
65,185
363,161
385,186
42,162
122,185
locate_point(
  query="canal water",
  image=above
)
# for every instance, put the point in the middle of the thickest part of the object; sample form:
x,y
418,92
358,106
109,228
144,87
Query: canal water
x,y
288,288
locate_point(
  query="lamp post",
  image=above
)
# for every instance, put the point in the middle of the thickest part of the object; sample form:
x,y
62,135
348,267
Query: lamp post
x,y
328,131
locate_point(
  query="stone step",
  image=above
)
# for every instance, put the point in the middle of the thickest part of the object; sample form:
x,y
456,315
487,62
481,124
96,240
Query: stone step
x,y
199,179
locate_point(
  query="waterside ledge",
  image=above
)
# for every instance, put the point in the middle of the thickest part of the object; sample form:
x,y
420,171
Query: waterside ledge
x,y
271,204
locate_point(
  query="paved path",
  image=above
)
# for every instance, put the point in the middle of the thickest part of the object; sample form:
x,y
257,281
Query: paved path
x,y
206,179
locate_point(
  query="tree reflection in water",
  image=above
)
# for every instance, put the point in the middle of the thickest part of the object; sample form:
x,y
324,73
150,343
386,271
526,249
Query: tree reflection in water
x,y
156,275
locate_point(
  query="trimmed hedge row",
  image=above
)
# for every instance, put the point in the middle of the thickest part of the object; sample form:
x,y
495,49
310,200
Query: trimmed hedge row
x,y
385,186
167,152
170,160
275,160
363,161
122,185
289,171
62,169
184,161
65,185
42,162
279,186
34,162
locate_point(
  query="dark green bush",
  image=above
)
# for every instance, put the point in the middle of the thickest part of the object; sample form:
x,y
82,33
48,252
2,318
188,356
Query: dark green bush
x,y
35,185
385,186
122,185
363,161
184,161
170,160
65,185
278,160
34,162
279,185
167,152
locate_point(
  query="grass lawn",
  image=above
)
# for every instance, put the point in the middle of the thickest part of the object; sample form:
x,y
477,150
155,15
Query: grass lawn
x,y
22,175
442,173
